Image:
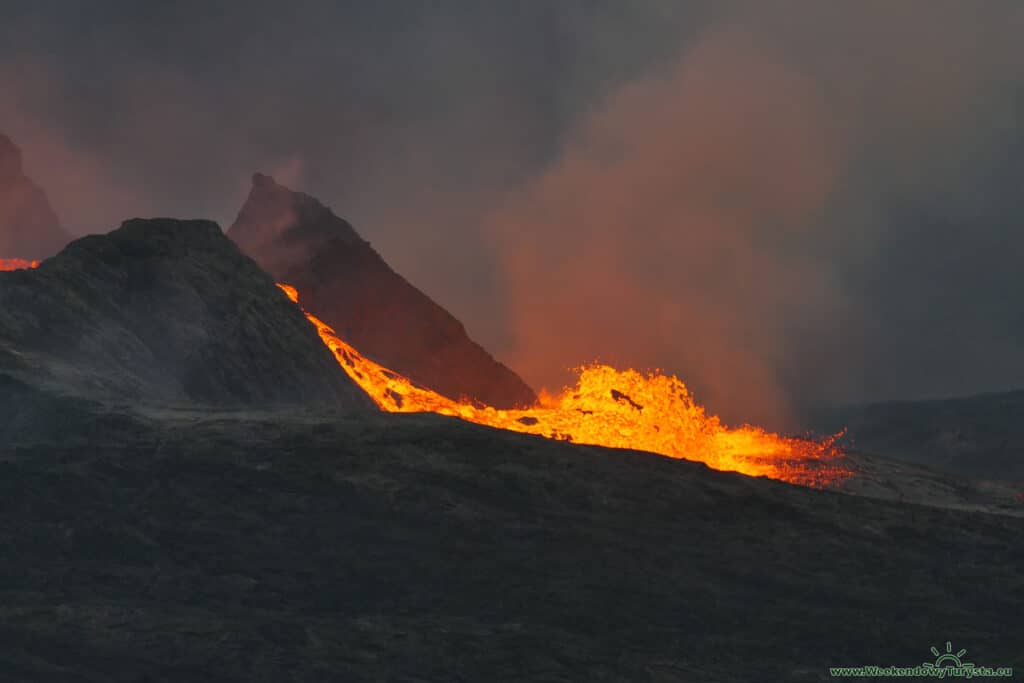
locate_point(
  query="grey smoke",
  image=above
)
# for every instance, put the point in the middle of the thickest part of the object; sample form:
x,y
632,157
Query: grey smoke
x,y
788,203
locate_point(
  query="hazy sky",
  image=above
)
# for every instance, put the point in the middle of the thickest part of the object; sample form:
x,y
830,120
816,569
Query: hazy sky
x,y
788,203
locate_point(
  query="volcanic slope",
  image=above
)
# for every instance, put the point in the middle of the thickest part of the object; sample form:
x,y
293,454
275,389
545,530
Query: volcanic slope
x,y
29,228
345,282
159,311
247,546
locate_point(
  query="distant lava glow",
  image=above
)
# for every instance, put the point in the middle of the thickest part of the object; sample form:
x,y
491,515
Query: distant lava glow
x,y
16,264
616,408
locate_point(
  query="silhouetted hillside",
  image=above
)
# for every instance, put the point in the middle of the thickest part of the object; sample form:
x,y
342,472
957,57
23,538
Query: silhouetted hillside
x,y
345,283
977,436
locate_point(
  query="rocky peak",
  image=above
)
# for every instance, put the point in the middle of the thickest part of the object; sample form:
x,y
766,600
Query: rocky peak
x,y
281,227
168,311
343,281
29,228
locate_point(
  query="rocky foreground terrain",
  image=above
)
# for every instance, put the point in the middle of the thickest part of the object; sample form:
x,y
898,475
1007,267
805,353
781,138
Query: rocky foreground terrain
x,y
169,545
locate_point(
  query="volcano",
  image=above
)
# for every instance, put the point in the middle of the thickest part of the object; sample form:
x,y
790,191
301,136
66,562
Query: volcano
x,y
348,285
177,504
29,229
163,312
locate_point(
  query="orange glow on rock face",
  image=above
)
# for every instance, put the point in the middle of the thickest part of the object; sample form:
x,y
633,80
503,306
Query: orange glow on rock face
x,y
616,408
16,264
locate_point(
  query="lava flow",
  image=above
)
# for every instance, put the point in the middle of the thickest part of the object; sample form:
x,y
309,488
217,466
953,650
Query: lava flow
x,y
615,408
17,264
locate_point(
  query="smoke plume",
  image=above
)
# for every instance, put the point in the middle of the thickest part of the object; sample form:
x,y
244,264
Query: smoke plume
x,y
788,204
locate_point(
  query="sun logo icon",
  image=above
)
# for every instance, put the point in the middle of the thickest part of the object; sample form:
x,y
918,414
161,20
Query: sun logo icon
x,y
948,659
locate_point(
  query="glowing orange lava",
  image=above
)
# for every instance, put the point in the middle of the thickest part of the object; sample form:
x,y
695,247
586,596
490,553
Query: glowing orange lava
x,y
17,264
609,407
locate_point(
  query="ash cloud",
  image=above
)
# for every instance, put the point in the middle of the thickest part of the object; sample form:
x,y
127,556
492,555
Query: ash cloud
x,y
661,231
778,213
788,204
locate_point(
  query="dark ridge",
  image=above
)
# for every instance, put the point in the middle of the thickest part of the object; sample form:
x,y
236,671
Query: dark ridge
x,y
973,436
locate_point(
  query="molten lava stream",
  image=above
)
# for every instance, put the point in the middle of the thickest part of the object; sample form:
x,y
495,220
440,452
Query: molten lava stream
x,y
17,264
609,407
